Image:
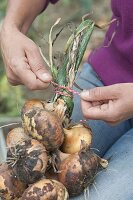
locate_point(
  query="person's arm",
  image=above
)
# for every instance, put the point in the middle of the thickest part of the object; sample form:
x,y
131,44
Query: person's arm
x,y
112,104
21,13
22,59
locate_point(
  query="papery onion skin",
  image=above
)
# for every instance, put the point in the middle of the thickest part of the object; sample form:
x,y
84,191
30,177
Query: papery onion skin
x,y
78,171
30,104
45,189
10,187
44,126
61,190
76,137
15,136
30,162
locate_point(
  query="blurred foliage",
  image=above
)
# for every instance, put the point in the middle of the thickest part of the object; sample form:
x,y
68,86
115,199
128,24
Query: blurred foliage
x,y
11,98
3,4
85,4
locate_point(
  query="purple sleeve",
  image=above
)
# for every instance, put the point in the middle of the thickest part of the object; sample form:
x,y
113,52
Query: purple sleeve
x,y
53,1
49,1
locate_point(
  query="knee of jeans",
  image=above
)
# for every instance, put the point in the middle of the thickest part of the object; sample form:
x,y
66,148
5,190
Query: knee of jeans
x,y
129,133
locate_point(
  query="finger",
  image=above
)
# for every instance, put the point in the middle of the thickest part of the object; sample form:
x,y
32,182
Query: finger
x,y
28,78
37,64
112,123
94,112
95,103
12,78
85,106
100,93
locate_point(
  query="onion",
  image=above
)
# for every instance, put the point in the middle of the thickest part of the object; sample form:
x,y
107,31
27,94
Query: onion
x,y
46,189
44,126
10,187
15,136
78,170
76,137
30,104
28,160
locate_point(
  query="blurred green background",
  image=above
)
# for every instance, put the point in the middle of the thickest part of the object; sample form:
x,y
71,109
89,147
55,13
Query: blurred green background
x,y
12,98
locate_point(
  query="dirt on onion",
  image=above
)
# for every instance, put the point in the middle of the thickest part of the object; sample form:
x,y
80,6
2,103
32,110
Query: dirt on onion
x,y
28,160
44,126
10,187
46,189
78,170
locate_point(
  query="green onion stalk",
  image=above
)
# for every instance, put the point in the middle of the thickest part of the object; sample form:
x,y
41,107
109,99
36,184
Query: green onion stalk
x,y
64,77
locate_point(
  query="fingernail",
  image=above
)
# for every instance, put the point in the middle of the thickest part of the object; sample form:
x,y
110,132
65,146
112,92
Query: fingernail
x,y
46,77
84,93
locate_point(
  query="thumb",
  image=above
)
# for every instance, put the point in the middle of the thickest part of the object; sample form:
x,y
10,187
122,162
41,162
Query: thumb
x,y
99,93
37,65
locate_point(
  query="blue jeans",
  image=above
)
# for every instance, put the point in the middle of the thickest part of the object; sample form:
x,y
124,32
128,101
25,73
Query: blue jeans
x,y
114,142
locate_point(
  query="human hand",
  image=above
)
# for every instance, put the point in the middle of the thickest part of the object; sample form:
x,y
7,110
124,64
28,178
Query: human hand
x,y
111,104
22,59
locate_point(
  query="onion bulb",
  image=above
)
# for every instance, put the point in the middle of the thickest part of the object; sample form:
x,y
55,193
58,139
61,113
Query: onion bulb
x,y
44,126
46,189
15,136
28,160
76,137
10,187
78,170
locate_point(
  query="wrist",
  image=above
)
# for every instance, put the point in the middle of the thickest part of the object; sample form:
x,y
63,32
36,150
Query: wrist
x,y
9,25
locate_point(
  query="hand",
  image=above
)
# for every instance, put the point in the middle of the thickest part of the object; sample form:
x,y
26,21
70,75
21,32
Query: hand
x,y
111,104
22,59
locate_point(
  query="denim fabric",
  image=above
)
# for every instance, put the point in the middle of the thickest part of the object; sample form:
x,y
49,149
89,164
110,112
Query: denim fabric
x,y
115,142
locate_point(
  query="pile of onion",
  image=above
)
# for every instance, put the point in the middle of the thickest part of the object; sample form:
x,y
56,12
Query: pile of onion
x,y
47,157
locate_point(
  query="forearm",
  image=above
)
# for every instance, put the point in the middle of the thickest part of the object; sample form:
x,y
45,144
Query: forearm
x,y
21,13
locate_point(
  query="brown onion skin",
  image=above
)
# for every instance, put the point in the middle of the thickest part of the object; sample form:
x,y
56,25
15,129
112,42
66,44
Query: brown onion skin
x,y
76,137
10,187
78,170
15,136
45,189
61,190
30,162
45,126
30,104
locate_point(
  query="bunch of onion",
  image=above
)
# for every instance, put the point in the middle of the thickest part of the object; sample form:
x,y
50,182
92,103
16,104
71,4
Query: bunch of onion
x,y
47,126
44,121
49,122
